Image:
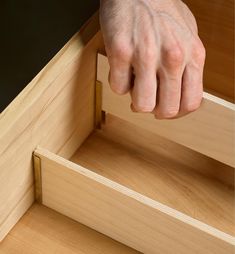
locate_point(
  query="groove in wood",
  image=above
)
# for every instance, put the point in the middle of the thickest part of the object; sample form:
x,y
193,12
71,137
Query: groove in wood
x,y
99,115
38,178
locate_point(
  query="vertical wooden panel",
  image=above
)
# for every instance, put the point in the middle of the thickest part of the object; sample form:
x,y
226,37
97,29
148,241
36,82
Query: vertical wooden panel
x,y
55,110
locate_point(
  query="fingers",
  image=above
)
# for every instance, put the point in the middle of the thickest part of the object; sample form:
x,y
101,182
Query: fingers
x,y
120,68
192,83
192,90
180,86
169,95
170,76
120,76
144,90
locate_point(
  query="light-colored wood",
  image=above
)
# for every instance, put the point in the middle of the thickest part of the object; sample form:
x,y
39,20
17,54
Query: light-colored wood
x,y
56,110
160,170
43,231
209,130
150,144
124,214
216,28
17,211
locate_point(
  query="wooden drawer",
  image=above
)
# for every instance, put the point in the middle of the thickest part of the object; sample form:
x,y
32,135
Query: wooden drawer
x,y
156,194
154,186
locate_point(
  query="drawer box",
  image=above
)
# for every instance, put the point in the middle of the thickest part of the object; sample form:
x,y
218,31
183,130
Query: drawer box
x,y
156,186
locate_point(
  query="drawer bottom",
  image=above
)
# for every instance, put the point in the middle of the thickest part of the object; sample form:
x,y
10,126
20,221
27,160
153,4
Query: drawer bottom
x,y
44,231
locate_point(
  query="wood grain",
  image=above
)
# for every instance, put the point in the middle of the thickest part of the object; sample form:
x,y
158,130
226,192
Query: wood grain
x,y
55,110
124,214
216,28
150,145
209,130
159,169
43,231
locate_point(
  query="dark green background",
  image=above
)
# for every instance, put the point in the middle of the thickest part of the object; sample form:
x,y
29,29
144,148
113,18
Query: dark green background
x,y
32,32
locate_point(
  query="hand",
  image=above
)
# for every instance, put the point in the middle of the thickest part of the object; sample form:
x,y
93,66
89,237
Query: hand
x,y
158,42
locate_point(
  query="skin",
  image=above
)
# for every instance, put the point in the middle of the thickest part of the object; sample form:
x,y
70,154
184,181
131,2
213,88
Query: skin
x,y
155,54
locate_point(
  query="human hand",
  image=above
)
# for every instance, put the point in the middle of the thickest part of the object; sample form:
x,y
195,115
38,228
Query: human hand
x,y
158,41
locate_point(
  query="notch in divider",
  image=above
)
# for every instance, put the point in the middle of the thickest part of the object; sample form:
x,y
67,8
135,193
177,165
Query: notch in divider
x,y
37,178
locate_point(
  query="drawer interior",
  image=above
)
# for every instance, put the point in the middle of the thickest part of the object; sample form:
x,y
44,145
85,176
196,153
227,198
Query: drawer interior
x,y
44,231
161,170
142,190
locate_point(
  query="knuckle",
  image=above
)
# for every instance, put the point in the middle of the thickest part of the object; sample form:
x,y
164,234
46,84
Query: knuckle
x,y
121,50
150,54
199,52
173,56
147,56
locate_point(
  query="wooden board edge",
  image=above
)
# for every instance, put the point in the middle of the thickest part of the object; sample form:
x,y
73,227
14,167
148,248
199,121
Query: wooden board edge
x,y
219,101
177,216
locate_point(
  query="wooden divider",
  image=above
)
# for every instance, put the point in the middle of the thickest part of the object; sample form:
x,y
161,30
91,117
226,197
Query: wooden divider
x,y
123,214
209,130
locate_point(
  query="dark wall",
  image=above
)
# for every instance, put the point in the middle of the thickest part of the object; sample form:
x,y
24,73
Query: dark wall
x,y
31,33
